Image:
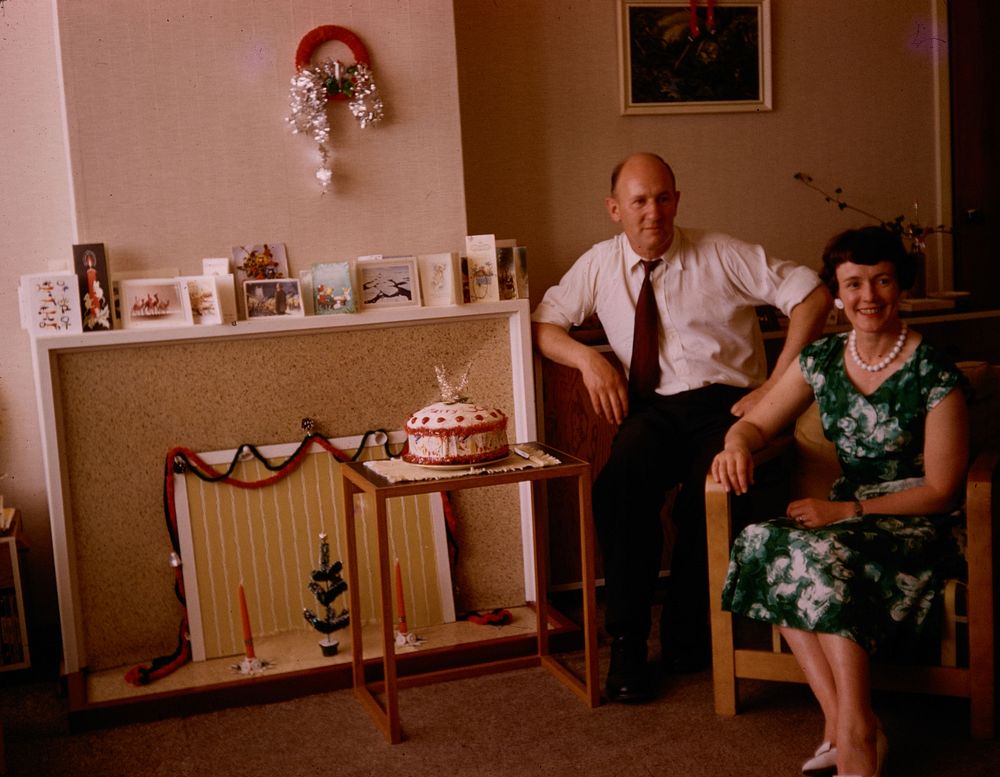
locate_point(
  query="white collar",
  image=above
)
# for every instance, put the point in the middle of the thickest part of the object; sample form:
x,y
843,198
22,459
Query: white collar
x,y
632,259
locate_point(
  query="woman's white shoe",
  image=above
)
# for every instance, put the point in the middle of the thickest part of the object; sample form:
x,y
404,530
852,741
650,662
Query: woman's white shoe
x,y
823,762
881,753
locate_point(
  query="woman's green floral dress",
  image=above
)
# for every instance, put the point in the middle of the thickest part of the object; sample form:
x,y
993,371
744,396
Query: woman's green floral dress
x,y
862,578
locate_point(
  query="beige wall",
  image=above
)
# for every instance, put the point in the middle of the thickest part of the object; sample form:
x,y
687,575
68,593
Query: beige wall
x,y
178,147
36,226
854,105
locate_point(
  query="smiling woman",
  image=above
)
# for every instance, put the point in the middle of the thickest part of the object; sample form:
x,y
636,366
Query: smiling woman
x,y
857,573
867,270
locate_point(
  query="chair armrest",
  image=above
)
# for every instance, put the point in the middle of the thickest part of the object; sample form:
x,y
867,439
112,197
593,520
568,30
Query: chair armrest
x,y
779,447
980,513
719,513
719,540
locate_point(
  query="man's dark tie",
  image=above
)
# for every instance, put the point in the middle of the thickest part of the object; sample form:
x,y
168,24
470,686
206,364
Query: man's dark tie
x,y
644,372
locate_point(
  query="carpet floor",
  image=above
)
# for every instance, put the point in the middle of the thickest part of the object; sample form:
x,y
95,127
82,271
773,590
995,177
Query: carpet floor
x,y
520,723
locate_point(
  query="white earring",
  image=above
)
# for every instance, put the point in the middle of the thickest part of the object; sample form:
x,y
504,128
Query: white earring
x,y
838,303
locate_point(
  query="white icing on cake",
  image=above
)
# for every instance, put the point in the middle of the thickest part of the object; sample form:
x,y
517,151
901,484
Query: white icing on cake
x,y
455,433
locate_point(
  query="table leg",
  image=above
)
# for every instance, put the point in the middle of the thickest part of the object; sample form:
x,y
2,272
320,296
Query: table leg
x,y
588,689
393,732
541,541
587,565
385,716
353,595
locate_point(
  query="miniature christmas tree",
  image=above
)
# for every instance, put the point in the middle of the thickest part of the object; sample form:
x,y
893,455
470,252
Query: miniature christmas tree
x,y
326,585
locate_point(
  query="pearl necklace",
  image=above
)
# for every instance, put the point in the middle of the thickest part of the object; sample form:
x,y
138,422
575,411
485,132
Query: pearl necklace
x,y
852,347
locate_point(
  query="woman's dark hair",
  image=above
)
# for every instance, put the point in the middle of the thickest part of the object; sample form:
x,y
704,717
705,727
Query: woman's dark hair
x,y
868,246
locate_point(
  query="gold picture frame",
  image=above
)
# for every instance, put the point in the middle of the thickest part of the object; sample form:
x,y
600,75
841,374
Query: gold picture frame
x,y
675,57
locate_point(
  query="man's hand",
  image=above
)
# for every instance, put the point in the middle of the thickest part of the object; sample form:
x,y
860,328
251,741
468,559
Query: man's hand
x,y
606,387
604,383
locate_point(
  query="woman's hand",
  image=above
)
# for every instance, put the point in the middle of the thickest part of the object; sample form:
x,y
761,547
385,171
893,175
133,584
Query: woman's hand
x,y
814,513
733,468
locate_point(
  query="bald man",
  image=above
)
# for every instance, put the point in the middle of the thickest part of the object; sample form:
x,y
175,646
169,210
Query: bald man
x,y
670,423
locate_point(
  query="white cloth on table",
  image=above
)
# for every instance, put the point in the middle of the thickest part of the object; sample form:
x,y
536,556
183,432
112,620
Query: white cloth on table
x,y
397,470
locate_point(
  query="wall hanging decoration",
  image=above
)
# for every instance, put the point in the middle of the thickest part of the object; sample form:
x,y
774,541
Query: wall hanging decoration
x,y
694,57
315,85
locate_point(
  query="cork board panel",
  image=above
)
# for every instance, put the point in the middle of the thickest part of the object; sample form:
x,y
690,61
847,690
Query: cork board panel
x,y
123,408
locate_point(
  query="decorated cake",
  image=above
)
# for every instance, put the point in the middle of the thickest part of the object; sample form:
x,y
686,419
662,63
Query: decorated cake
x,y
455,431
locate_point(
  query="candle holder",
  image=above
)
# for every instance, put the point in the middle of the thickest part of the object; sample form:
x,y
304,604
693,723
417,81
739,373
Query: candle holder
x,y
250,664
404,637
326,585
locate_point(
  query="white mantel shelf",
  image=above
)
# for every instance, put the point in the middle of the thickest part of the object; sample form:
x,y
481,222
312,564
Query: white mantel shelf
x,y
366,319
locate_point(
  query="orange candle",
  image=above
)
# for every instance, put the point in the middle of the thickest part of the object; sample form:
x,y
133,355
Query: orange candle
x,y
245,616
400,603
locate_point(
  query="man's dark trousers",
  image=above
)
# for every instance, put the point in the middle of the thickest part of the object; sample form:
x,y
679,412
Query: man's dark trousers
x,y
664,442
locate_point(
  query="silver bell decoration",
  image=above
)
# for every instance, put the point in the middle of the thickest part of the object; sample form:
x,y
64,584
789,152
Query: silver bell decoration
x,y
310,92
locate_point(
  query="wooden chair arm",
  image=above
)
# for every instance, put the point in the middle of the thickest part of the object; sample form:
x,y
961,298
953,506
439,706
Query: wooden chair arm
x,y
719,536
719,513
979,517
776,448
979,513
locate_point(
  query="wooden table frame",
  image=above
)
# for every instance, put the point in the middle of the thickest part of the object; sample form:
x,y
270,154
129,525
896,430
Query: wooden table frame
x,y
359,479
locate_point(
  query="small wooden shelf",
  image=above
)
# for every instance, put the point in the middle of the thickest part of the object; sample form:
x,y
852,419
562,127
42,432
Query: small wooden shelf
x,y
14,652
103,698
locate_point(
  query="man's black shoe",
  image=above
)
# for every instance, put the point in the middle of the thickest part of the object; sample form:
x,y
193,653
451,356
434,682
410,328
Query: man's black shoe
x,y
629,679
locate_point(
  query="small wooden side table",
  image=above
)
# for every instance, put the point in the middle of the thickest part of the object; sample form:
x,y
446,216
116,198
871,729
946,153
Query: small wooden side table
x,y
359,479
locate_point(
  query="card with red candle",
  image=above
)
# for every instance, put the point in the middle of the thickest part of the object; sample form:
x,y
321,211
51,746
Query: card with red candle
x,y
90,263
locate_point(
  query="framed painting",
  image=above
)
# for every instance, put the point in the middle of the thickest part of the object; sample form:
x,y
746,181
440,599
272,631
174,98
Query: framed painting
x,y
688,57
389,282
